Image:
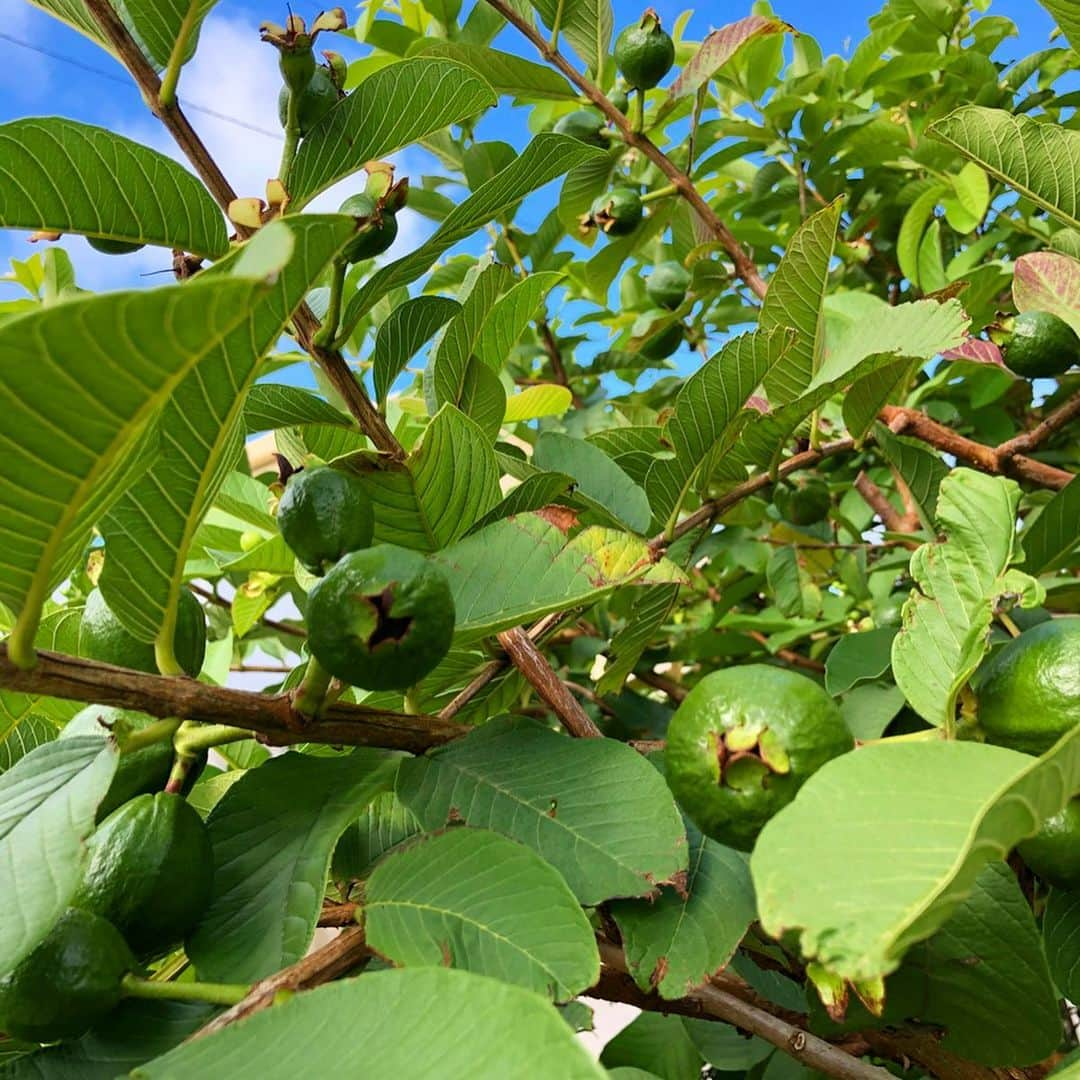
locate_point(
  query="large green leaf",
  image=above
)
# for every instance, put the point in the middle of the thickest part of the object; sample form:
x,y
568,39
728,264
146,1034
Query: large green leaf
x,y
1061,932
390,109
402,335
472,899
948,808
1052,535
593,808
504,72
674,944
947,618
48,801
273,833
80,383
653,1045
148,532
482,1030
706,409
587,25
1067,18
63,176
795,299
546,157
1039,159
524,567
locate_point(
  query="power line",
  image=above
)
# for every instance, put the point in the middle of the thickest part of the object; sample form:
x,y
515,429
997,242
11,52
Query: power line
x,y
113,77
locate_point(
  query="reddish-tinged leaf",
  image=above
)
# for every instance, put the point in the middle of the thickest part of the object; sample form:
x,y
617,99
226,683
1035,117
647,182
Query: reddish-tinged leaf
x,y
1046,281
976,351
718,48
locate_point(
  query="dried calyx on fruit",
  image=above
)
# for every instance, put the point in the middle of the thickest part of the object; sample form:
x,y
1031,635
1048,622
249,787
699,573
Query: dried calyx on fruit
x,y
616,213
375,209
644,52
294,44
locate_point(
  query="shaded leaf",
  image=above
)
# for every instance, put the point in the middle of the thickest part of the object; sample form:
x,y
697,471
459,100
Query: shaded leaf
x,y
1061,933
857,657
1049,539
404,333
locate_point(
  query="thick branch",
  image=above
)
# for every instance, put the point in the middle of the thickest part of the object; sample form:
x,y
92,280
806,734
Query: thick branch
x,y
1060,418
744,265
270,716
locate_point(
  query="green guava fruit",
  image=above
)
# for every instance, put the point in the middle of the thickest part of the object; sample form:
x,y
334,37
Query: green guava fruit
x,y
1054,851
381,619
103,637
742,744
376,235
583,124
660,346
644,52
150,873
1029,691
68,982
620,99
617,212
1041,345
666,286
316,100
324,514
113,247
803,504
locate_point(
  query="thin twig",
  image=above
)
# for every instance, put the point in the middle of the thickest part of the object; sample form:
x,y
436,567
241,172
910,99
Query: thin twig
x,y
1030,440
676,691
878,501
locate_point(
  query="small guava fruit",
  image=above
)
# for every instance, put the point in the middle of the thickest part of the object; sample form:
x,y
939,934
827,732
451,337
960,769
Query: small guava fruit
x,y
103,637
742,744
150,872
113,247
1041,345
376,235
804,503
1029,691
137,771
381,619
324,514
620,99
316,100
583,124
617,212
1054,851
666,286
644,52
71,980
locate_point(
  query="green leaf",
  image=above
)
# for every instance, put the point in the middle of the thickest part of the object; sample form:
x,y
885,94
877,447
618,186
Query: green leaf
x,y
80,383
533,493
536,401
1065,15
675,943
948,808
404,333
967,205
947,618
858,657
1046,281
593,808
795,299
649,613
705,413
148,532
1052,536
487,1030
868,54
912,230
48,801
383,825
655,1045
390,109
269,406
598,479
524,567
273,833
586,24
504,72
546,157
507,320
1040,160
63,176
472,899
1061,934
921,469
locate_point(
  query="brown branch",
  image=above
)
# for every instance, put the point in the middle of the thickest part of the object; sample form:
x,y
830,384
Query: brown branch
x,y
338,914
269,716
532,663
676,691
744,265
338,957
878,501
1061,417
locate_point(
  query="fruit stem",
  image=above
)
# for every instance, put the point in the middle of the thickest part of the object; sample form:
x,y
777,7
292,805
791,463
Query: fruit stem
x,y
167,93
196,737
214,993
1006,621
160,731
660,193
292,138
555,25
311,693
328,331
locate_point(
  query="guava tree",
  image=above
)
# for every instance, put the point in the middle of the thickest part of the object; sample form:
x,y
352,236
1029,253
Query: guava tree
x,y
668,593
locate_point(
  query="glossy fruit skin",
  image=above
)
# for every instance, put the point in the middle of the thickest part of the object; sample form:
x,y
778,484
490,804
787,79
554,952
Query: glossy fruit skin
x,y
103,637
361,597
666,286
1041,345
803,505
113,247
316,100
376,236
583,124
69,982
1029,691
750,716
137,771
662,345
618,212
1054,851
644,53
150,872
324,514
